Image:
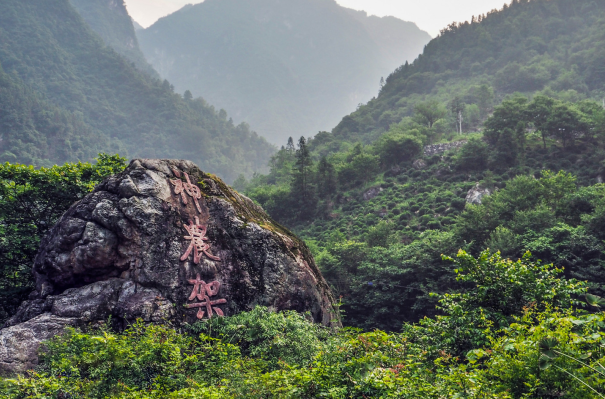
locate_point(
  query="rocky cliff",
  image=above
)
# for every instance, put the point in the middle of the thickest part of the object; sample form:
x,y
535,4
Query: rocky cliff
x,y
163,242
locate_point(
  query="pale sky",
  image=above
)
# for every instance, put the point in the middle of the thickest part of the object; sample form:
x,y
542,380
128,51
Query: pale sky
x,y
429,15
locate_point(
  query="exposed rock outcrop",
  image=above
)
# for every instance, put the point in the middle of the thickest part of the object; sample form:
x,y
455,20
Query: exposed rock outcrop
x,y
372,193
163,242
476,194
435,149
419,164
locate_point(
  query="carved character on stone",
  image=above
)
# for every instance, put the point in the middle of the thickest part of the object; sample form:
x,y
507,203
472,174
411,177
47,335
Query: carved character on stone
x,y
203,292
182,188
197,235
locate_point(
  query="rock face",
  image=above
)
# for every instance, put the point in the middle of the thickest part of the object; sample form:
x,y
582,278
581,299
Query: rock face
x,y
372,193
435,149
419,164
476,194
163,242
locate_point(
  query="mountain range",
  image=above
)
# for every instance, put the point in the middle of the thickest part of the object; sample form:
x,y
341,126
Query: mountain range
x,y
551,47
69,93
289,68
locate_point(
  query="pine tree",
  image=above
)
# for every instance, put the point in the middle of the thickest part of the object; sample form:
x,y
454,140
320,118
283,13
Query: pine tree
x,y
290,145
326,178
302,186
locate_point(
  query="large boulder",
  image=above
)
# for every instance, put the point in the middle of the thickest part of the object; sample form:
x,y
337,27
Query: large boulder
x,y
162,242
476,194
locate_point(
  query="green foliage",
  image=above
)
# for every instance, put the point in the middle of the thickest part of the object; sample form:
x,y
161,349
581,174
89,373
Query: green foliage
x,y
69,96
500,290
536,353
394,148
31,201
113,24
277,338
479,62
144,358
473,156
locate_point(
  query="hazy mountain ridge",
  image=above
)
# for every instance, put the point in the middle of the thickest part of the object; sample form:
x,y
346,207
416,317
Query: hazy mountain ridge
x,y
48,49
288,68
111,21
553,47
387,32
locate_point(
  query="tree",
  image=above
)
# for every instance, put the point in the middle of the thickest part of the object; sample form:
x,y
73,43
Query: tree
x,y
326,179
539,111
521,139
290,145
499,289
379,235
360,169
394,148
429,112
485,96
457,107
302,187
504,153
473,156
564,122
506,116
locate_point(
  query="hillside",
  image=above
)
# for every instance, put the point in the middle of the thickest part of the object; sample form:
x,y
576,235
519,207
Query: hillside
x,y
379,202
379,217
53,57
110,20
288,68
553,47
34,131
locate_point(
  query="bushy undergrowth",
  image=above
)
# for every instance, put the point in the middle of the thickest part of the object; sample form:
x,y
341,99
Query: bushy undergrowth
x,y
527,341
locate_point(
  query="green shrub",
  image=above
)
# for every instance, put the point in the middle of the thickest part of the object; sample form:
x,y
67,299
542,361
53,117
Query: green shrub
x,y
458,203
274,337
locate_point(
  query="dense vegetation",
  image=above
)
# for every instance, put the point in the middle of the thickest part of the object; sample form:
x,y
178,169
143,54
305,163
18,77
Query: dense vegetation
x,y
553,47
31,201
285,67
76,97
110,20
378,225
512,334
443,298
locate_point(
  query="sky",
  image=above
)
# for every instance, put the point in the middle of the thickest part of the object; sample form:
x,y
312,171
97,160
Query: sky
x,y
429,15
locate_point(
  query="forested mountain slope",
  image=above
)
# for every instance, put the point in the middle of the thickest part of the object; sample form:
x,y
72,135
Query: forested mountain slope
x,y
379,211
287,67
35,131
49,53
110,20
551,46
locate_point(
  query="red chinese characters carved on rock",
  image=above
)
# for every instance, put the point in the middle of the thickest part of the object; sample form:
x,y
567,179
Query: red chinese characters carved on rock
x,y
182,188
197,235
203,292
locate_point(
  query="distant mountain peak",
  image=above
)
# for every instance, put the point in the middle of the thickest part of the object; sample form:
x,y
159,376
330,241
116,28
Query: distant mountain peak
x,y
289,68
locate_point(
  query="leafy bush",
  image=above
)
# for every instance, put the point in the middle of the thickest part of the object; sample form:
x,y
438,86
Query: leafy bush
x,y
540,351
285,337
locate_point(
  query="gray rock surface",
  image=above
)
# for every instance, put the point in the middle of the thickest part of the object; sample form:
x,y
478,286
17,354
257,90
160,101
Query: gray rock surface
x,y
435,149
126,251
372,193
19,344
419,164
476,194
